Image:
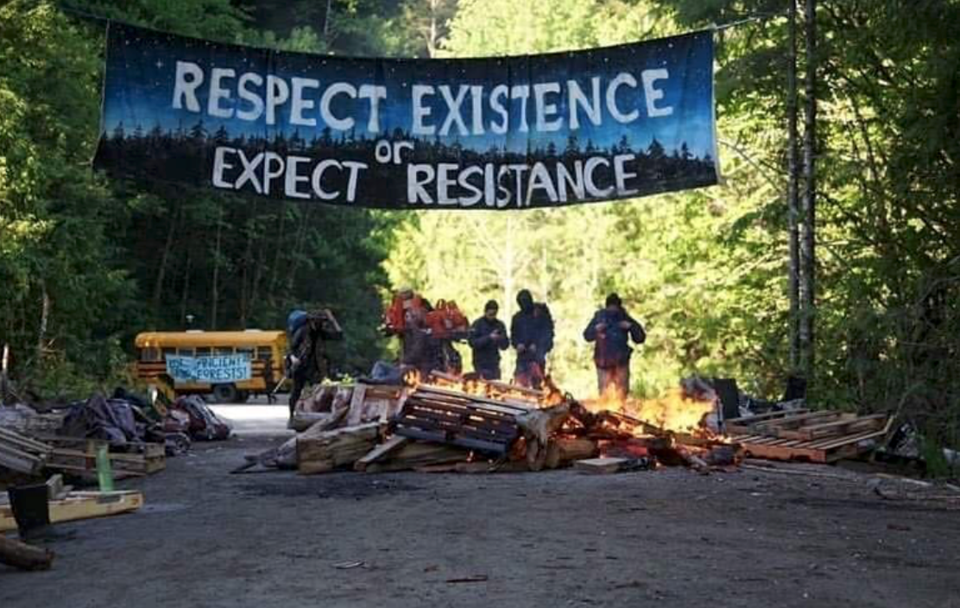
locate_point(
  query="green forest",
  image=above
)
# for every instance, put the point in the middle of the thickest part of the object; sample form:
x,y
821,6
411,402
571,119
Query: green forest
x,y
87,262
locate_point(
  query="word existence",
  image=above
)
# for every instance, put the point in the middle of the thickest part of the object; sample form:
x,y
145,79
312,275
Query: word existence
x,y
464,110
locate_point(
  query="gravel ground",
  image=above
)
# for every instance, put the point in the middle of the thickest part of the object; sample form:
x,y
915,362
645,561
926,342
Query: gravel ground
x,y
751,538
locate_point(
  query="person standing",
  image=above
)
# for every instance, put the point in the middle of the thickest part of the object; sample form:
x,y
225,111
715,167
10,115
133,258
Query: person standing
x,y
531,333
488,336
306,360
610,330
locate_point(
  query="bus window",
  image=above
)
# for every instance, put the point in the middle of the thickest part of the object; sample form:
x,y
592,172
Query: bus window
x,y
223,350
185,352
264,353
150,354
203,351
168,351
245,350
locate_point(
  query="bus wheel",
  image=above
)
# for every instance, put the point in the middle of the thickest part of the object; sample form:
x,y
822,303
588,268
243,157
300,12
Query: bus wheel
x,y
242,396
225,393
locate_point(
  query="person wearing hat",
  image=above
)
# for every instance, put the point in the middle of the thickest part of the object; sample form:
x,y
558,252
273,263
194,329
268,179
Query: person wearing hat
x,y
488,336
610,330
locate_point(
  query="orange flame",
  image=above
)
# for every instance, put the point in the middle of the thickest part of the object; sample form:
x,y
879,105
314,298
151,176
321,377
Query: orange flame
x,y
412,378
672,412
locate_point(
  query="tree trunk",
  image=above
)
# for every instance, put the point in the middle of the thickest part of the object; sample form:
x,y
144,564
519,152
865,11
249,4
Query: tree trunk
x,y
281,246
44,319
216,272
21,555
808,210
164,257
184,298
793,177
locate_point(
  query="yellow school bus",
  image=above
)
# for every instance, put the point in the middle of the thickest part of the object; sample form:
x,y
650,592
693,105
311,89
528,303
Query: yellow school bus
x,y
265,349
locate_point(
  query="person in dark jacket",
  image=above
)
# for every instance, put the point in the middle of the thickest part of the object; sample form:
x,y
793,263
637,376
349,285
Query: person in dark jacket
x,y
306,360
531,333
610,330
419,349
488,336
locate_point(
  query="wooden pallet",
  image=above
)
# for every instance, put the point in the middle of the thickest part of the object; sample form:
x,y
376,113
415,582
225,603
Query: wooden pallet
x,y
460,419
821,437
80,456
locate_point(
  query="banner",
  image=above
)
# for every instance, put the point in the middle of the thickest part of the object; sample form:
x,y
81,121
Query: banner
x,y
213,369
493,133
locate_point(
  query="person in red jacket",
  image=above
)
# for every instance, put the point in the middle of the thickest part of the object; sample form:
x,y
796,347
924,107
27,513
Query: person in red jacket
x,y
610,330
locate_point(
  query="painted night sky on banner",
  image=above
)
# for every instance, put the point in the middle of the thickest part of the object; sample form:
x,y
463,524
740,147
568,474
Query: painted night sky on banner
x,y
512,132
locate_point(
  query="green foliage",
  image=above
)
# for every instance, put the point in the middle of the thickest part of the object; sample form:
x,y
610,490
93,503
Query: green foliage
x,y
889,262
111,259
683,263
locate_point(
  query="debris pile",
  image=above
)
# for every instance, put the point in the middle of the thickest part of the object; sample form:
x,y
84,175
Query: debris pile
x,y
450,423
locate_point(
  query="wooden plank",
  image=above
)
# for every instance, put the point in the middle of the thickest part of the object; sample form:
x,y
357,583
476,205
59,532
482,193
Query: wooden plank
x,y
355,413
473,419
507,407
748,420
834,442
600,465
19,461
380,452
843,427
331,449
81,505
794,421
784,453
415,455
14,439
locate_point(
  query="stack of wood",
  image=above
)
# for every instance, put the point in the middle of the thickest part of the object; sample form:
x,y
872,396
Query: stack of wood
x,y
22,454
459,424
31,456
359,403
822,436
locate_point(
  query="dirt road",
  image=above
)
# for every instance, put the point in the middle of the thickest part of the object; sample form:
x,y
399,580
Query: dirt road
x,y
207,538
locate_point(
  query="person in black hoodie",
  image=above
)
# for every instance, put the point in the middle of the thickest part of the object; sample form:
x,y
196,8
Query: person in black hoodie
x,y
610,330
531,333
488,336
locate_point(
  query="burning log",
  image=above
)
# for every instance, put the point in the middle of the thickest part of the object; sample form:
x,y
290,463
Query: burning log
x,y
542,424
692,460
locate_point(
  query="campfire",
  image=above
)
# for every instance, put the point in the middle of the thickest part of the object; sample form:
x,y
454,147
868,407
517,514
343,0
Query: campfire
x,y
677,428
444,422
